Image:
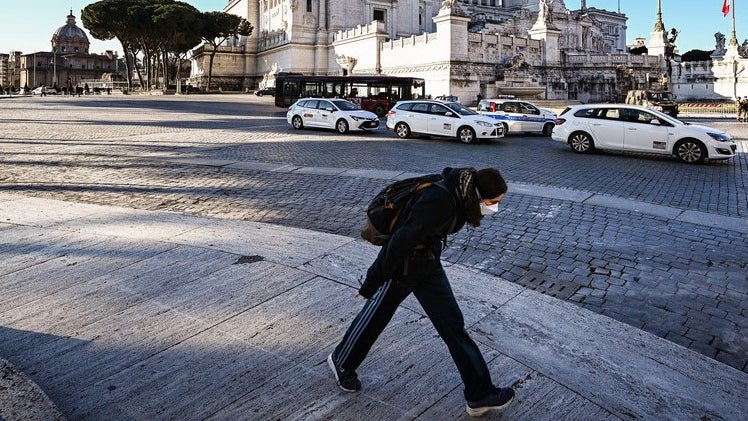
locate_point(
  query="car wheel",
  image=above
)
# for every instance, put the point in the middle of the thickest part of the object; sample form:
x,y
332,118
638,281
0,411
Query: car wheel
x,y
581,142
548,129
341,126
379,110
506,128
402,130
466,134
690,151
297,122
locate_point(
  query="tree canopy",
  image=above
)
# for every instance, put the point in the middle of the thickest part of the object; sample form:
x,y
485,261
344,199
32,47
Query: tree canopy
x,y
219,27
161,31
697,55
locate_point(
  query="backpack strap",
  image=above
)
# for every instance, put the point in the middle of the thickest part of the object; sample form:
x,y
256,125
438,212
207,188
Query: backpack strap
x,y
453,221
400,211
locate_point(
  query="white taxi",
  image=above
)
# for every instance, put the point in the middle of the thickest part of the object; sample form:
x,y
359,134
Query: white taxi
x,y
518,116
634,128
437,118
325,113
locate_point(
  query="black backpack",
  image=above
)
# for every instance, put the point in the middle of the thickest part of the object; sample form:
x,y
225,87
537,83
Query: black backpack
x,y
388,205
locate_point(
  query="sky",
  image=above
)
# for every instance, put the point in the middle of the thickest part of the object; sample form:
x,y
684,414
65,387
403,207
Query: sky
x,y
29,29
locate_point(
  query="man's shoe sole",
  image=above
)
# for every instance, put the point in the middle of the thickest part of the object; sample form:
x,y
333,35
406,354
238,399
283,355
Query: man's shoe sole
x,y
477,412
335,373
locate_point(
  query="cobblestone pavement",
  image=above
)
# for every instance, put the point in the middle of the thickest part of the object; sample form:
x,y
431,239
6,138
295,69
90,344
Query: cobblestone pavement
x,y
234,156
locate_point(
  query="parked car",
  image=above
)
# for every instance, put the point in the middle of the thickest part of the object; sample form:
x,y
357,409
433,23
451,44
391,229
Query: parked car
x,y
47,90
270,90
636,128
436,118
655,99
337,114
519,116
448,98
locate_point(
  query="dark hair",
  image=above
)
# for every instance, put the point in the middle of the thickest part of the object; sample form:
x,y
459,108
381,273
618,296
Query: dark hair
x,y
490,183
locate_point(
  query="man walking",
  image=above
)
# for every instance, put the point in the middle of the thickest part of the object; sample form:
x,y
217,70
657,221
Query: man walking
x,y
410,263
739,109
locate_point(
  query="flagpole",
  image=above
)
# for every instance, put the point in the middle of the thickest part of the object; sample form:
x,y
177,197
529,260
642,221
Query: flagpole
x,y
734,37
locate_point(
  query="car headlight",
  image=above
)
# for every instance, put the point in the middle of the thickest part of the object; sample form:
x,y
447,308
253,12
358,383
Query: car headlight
x,y
719,137
484,124
356,118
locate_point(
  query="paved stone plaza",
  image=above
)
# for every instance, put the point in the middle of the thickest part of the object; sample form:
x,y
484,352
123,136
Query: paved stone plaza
x,y
648,241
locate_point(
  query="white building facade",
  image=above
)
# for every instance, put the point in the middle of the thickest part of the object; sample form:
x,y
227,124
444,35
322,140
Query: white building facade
x,y
725,77
531,48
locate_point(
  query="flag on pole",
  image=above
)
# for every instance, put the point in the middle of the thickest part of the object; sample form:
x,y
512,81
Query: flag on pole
x,y
726,7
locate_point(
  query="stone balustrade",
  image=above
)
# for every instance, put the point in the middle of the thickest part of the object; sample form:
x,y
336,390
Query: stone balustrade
x,y
608,60
372,28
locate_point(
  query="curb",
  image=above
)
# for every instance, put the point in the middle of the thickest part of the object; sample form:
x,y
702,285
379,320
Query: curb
x,y
22,399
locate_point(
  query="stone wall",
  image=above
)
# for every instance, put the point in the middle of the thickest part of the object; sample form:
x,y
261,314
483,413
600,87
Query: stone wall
x,y
721,79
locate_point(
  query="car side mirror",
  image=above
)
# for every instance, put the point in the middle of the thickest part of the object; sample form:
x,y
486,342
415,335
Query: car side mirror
x,y
329,110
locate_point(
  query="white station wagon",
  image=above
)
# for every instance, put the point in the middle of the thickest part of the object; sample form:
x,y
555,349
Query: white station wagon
x,y
635,128
437,118
337,114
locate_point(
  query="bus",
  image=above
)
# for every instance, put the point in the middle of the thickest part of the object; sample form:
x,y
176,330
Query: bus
x,y
375,93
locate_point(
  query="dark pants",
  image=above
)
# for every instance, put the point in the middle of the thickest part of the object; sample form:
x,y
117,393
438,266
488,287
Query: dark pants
x,y
438,301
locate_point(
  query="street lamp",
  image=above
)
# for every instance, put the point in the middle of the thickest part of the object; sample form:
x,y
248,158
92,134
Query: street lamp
x,y
54,61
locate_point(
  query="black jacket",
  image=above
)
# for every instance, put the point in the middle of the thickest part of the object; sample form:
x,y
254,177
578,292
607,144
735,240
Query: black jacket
x,y
415,247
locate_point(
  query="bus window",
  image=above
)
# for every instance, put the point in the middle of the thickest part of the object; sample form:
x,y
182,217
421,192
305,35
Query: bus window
x,y
359,89
395,93
289,92
329,90
311,89
378,90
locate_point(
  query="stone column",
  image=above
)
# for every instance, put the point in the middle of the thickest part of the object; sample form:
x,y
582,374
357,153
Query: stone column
x,y
321,51
658,37
452,34
551,49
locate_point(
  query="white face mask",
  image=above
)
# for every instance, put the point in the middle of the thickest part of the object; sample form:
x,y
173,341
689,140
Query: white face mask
x,y
488,209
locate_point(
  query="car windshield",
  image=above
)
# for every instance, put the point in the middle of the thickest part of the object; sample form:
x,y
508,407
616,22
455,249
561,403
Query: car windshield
x,y
345,105
663,116
459,109
660,96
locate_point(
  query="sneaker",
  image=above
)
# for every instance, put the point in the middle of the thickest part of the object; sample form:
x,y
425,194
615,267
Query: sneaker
x,y
347,380
498,399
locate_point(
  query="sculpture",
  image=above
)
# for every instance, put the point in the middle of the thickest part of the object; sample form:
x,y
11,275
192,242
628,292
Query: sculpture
x,y
453,7
719,48
673,36
545,14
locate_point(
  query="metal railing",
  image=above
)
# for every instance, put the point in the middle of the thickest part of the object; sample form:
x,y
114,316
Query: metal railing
x,y
716,110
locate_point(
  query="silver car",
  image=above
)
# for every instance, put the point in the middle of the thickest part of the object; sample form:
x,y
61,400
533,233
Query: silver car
x,y
325,113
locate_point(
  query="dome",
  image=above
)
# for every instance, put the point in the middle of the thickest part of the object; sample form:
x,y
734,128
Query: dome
x,y
70,38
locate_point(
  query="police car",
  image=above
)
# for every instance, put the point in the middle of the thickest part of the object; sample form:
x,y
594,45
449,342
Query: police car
x,y
518,116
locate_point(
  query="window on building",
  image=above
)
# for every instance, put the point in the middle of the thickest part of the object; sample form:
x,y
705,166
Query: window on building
x,y
308,5
379,15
